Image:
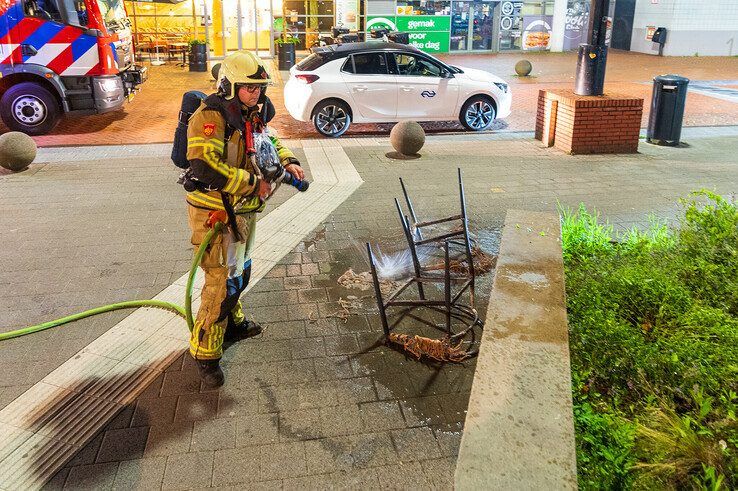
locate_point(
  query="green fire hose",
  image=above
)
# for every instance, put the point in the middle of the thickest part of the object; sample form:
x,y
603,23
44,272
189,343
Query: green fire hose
x,y
185,312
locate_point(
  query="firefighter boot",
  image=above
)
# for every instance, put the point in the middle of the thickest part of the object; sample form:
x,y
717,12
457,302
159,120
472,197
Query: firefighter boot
x,y
239,327
210,373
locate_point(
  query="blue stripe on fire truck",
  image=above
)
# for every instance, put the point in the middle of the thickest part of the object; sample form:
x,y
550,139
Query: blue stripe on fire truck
x,y
42,35
10,18
81,45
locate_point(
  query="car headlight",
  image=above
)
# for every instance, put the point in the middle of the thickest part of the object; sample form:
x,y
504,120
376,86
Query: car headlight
x,y
502,86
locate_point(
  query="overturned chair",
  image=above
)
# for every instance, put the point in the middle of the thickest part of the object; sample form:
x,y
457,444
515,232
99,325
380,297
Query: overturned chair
x,y
455,344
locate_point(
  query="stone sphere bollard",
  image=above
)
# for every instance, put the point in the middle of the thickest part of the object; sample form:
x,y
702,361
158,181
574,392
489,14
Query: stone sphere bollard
x,y
523,68
407,137
214,71
17,150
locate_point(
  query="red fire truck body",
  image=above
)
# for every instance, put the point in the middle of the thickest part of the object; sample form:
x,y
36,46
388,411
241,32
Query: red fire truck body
x,y
63,56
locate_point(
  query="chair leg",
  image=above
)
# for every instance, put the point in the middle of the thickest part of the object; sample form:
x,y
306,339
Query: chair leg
x,y
467,240
447,287
377,290
410,207
411,245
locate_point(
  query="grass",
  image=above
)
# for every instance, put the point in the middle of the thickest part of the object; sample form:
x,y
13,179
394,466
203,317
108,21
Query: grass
x,y
653,321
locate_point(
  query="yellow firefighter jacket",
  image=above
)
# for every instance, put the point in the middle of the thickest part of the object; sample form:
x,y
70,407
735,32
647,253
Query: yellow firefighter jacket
x,y
225,166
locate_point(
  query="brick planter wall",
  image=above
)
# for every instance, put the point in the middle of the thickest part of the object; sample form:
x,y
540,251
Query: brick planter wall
x,y
587,124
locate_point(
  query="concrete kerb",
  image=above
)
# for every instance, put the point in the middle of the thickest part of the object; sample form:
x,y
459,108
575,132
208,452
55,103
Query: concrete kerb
x,y
519,430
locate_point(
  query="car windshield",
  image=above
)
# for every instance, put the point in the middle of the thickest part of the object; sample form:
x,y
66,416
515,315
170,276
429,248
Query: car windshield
x,y
450,68
114,14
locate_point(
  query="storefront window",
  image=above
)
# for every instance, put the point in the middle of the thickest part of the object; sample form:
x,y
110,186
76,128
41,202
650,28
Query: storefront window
x,y
526,25
160,30
577,20
306,20
511,23
532,8
310,7
460,26
228,25
422,7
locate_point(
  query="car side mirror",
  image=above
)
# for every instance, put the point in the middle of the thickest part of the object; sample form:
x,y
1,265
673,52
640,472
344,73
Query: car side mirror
x,y
446,74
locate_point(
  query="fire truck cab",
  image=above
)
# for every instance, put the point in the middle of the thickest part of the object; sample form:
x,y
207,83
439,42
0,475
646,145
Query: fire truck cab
x,y
64,56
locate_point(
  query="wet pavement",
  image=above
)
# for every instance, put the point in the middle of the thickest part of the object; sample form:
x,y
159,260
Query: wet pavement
x,y
316,400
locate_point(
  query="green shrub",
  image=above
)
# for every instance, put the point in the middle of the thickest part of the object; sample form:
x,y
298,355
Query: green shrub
x,y
709,239
653,321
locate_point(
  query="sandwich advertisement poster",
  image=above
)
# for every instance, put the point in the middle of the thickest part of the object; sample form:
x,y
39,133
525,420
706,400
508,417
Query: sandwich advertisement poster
x,y
536,32
347,14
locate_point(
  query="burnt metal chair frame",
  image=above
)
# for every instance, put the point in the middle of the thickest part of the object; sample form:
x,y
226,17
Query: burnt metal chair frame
x,y
450,305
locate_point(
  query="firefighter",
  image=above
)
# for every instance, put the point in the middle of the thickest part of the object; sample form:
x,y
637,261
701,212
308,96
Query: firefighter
x,y
225,185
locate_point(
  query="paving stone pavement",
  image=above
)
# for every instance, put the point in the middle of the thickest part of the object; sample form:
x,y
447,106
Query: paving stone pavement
x,y
88,227
314,401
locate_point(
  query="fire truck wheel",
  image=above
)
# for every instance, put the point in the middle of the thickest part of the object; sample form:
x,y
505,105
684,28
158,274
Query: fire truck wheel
x,y
30,108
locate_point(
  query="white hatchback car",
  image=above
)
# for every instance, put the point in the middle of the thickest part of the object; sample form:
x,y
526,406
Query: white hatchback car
x,y
386,82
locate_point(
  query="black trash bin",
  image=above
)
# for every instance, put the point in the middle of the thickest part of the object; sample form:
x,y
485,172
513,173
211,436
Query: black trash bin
x,y
667,110
285,55
198,57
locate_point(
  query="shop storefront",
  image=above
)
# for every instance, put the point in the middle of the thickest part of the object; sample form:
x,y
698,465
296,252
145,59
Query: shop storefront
x,y
162,29
469,25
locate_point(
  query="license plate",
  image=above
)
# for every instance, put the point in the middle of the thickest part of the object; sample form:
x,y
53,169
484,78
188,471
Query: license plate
x,y
131,95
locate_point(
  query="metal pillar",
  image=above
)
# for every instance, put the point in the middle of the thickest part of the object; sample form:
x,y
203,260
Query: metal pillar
x,y
592,61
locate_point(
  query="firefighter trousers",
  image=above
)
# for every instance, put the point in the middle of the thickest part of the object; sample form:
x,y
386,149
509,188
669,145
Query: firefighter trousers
x,y
227,267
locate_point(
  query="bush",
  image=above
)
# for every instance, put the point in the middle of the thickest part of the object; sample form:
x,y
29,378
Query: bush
x,y
653,319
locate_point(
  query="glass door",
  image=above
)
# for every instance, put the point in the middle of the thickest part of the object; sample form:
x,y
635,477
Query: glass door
x,y
482,34
461,12
254,19
473,26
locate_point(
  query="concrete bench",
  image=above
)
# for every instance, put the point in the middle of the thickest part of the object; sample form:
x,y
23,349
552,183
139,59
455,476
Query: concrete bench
x,y
519,431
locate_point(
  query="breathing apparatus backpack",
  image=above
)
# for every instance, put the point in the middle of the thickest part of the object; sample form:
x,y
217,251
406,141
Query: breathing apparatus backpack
x,y
190,102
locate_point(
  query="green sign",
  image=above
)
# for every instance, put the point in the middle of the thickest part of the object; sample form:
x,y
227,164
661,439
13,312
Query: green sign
x,y
430,42
423,23
429,33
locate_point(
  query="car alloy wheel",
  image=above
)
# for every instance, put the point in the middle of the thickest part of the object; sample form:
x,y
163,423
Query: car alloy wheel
x,y
479,115
29,110
331,120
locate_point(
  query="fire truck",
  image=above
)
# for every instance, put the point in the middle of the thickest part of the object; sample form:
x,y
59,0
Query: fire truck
x,y
64,56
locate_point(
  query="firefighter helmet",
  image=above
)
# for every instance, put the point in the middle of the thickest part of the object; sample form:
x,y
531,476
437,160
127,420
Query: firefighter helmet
x,y
241,67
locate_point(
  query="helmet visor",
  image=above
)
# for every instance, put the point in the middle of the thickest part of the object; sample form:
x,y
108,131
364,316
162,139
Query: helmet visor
x,y
250,88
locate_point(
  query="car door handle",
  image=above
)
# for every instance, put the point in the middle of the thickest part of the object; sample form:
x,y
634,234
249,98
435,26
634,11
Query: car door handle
x,y
360,88
406,88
